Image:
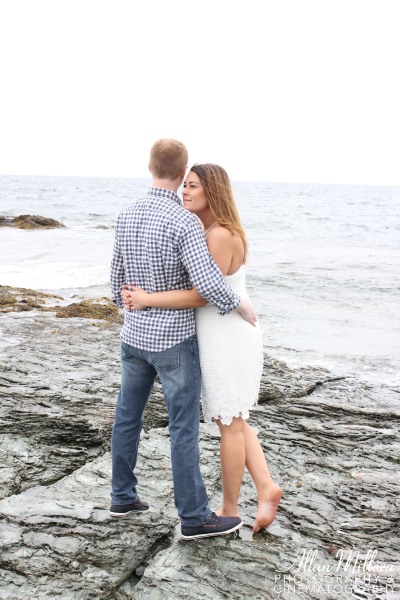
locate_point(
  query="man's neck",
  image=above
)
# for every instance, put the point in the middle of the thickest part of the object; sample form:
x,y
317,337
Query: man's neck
x,y
167,184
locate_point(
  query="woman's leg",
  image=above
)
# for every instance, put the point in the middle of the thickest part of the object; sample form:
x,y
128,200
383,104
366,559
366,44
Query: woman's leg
x,y
233,457
268,493
240,446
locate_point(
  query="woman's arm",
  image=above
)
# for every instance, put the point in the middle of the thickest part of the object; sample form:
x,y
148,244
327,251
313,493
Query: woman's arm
x,y
220,247
137,299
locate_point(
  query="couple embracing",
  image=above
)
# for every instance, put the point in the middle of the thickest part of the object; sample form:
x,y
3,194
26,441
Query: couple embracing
x,y
168,260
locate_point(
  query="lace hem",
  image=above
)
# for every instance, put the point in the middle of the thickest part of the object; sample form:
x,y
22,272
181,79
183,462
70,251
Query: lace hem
x,y
226,419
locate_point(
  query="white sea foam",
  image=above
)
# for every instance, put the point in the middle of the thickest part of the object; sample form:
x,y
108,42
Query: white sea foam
x,y
55,259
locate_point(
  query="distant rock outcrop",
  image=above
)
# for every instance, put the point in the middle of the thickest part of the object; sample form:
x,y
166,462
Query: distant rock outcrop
x,y
29,222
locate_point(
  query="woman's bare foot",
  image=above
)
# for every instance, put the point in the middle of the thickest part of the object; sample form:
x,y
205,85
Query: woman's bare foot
x,y
267,507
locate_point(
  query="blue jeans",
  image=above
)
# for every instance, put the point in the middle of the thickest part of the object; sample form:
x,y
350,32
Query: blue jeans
x,y
179,370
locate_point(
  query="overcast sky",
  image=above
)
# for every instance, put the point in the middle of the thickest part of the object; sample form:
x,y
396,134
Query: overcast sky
x,y
282,90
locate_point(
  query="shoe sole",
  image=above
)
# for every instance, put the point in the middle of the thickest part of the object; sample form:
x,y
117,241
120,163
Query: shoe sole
x,y
122,515
206,535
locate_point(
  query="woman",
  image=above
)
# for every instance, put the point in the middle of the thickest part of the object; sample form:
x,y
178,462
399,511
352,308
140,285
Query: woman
x,y
231,350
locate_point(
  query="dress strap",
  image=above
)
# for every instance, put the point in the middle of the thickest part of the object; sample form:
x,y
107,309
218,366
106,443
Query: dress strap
x,y
207,231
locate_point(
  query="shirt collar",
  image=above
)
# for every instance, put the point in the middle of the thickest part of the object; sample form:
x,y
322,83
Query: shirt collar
x,y
156,191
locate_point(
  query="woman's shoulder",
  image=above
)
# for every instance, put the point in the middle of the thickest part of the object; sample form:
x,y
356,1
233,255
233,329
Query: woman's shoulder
x,y
222,236
220,233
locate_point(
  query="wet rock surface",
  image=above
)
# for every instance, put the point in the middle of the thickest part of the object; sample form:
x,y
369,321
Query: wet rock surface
x,y
332,444
29,222
59,380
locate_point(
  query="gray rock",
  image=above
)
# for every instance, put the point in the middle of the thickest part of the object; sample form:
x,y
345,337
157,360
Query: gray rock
x,y
29,222
338,467
332,443
59,380
62,543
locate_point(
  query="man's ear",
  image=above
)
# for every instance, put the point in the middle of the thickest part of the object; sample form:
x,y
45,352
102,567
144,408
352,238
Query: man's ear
x,y
149,168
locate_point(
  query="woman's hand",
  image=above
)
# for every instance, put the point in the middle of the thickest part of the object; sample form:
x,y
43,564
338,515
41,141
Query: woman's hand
x,y
246,311
134,298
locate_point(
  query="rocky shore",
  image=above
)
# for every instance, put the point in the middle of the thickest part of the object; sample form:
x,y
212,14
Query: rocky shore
x,y
332,444
23,300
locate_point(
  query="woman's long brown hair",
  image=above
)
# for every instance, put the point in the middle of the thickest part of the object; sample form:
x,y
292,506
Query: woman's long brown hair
x,y
217,186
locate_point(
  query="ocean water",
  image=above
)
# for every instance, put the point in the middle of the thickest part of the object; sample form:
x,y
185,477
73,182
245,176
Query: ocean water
x,y
323,270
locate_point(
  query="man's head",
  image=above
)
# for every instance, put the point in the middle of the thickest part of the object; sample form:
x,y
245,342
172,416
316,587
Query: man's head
x,y
168,159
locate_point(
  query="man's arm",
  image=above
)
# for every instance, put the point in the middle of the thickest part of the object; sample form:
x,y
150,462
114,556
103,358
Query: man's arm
x,y
203,271
135,298
117,274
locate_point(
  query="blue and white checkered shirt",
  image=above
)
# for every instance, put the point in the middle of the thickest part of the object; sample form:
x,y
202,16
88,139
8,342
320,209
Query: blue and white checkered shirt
x,y
159,246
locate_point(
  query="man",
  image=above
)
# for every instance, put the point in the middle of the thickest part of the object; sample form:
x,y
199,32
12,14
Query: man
x,y
159,246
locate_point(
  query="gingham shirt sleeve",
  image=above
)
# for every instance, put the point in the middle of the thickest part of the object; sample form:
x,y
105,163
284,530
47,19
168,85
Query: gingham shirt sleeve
x,y
118,277
204,272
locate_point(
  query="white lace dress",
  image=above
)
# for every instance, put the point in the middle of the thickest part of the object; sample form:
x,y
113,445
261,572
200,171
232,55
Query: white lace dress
x,y
231,359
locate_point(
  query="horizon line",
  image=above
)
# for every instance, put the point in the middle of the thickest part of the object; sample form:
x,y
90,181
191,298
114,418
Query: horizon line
x,y
232,180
